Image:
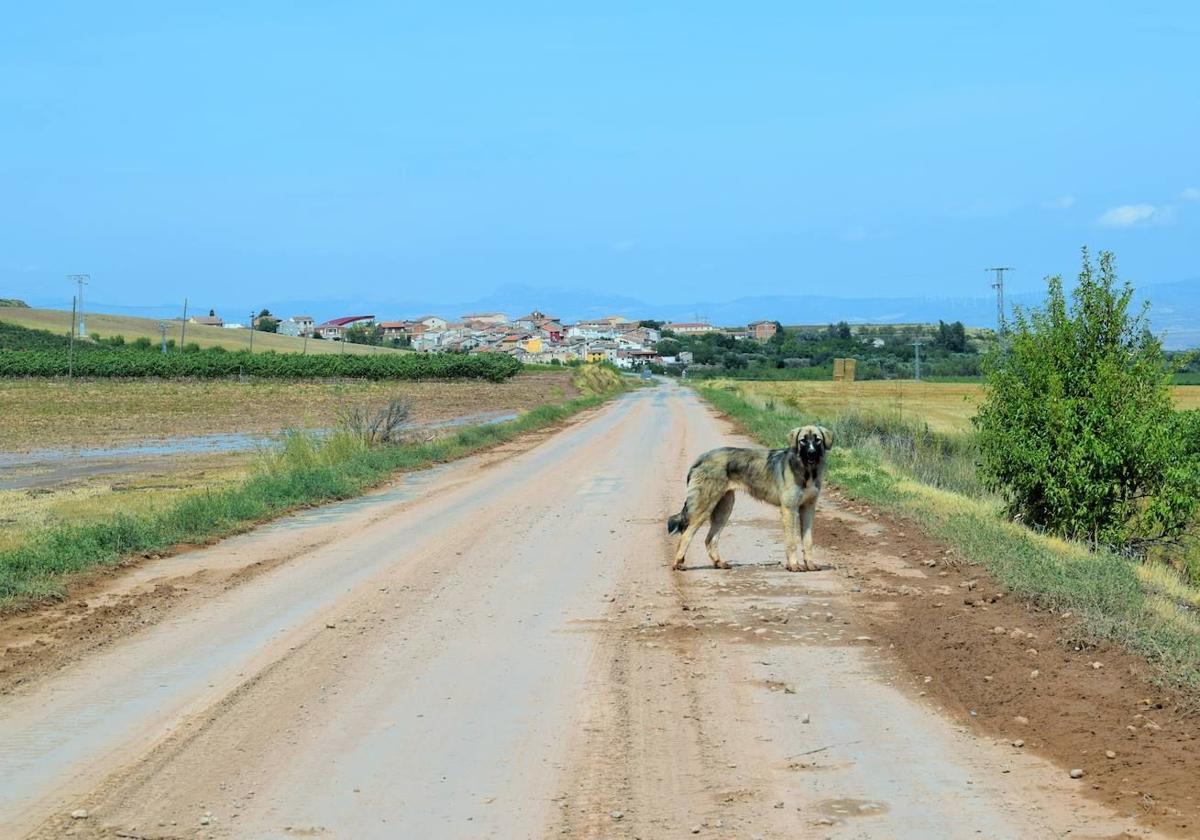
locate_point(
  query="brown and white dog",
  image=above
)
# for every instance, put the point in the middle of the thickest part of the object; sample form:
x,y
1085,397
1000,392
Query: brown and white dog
x,y
788,478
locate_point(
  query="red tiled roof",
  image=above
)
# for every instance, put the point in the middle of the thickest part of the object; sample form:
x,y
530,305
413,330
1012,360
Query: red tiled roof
x,y
349,319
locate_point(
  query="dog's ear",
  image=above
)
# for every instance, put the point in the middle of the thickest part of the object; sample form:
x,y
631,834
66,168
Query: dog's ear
x,y
794,437
826,437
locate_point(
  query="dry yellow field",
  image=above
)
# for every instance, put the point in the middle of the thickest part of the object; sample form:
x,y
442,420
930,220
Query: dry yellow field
x,y
57,321
945,406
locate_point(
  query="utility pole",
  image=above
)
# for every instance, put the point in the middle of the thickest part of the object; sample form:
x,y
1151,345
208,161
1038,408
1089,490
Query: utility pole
x,y
251,332
71,353
162,333
80,280
917,347
183,329
999,287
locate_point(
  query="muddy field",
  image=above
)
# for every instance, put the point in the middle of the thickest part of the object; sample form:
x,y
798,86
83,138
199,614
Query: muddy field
x,y
55,413
505,636
78,452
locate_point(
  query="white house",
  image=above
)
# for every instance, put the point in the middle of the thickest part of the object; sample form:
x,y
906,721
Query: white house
x,y
432,322
689,328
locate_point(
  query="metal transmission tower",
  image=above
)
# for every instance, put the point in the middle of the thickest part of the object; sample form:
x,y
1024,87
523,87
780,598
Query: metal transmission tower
x,y
162,332
999,287
81,280
917,370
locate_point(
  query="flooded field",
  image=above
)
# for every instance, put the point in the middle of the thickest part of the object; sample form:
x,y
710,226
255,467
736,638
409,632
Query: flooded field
x,y
53,414
73,452
39,468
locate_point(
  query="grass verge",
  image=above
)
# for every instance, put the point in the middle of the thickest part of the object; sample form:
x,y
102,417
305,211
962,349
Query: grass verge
x,y
1147,609
306,471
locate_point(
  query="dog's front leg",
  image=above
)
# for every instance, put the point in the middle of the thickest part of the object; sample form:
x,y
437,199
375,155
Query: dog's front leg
x,y
789,514
808,512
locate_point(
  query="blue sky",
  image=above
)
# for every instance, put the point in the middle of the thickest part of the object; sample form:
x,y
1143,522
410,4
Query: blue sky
x,y
238,152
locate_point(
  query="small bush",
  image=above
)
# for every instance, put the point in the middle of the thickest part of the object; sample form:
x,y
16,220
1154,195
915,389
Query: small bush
x,y
380,426
1078,432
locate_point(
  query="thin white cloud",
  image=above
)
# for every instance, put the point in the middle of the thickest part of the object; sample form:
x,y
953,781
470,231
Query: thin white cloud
x,y
1061,203
1190,194
1136,215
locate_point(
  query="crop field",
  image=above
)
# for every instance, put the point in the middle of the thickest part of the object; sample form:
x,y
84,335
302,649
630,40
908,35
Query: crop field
x,y
36,414
59,416
945,406
132,328
210,364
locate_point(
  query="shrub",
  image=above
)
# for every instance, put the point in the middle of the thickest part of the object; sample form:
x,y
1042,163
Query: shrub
x,y
377,426
1078,433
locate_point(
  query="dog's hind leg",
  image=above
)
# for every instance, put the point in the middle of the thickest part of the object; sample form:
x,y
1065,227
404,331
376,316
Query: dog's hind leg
x,y
686,539
720,516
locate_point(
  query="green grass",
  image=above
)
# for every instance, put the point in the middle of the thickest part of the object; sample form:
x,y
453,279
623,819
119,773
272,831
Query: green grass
x,y
307,471
1114,598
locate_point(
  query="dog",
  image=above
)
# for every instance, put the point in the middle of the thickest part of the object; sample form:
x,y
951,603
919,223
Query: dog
x,y
789,478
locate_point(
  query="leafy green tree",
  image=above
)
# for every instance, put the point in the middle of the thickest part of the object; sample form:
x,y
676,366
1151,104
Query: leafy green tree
x,y
363,334
777,338
952,337
840,330
266,322
1078,432
668,347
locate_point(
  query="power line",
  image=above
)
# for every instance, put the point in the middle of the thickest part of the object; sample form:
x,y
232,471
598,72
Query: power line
x,y
999,287
917,349
81,280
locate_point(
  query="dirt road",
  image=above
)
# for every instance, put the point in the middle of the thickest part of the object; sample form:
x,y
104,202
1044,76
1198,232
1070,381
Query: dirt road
x,y
498,648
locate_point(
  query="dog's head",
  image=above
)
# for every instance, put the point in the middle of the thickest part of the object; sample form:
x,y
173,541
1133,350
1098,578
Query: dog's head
x,y
810,442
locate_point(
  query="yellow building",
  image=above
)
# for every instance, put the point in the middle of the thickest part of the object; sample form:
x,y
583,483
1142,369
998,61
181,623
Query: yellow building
x,y
532,345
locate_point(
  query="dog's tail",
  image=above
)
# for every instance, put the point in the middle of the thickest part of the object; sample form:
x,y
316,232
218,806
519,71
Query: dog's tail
x,y
677,523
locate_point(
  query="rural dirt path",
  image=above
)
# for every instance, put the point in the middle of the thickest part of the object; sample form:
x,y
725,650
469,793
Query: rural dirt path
x,y
498,648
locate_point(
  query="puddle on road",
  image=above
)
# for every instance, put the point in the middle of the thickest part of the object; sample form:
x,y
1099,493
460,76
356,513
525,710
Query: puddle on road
x,y
850,808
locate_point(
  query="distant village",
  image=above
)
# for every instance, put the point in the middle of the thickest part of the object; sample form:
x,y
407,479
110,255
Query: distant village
x,y
533,338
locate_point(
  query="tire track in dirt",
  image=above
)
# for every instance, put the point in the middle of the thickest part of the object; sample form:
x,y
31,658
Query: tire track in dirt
x,y
788,715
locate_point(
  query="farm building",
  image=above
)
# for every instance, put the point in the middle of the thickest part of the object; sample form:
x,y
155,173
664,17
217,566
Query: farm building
x,y
689,327
762,330
334,330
